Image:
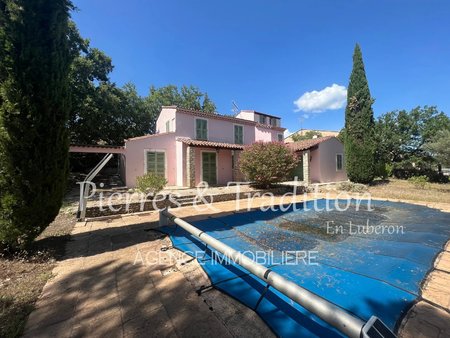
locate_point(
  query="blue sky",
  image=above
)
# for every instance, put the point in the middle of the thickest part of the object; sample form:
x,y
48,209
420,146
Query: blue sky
x,y
266,55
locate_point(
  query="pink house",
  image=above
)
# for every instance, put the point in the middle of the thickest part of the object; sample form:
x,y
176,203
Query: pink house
x,y
191,146
322,160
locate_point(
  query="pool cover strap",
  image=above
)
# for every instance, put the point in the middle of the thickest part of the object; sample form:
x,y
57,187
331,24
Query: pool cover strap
x,y
262,296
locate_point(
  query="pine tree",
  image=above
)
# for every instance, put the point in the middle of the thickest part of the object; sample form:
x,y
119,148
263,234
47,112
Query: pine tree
x,y
359,125
208,105
34,106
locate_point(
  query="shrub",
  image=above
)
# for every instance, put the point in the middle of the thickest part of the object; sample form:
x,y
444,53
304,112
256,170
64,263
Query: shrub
x,y
150,183
267,163
432,175
352,187
419,181
437,177
389,169
381,170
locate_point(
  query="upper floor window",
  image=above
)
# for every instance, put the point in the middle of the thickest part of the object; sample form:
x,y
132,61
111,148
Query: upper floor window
x,y
274,122
262,119
201,129
280,137
339,162
238,134
168,126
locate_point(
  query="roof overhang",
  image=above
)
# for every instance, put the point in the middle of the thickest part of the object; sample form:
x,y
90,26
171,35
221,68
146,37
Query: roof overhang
x,y
308,144
209,144
97,149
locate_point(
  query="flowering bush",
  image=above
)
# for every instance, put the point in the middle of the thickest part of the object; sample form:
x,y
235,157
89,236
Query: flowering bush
x,y
267,163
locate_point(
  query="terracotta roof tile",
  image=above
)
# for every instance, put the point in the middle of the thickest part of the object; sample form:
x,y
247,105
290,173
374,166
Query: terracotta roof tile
x,y
307,144
105,146
209,144
148,135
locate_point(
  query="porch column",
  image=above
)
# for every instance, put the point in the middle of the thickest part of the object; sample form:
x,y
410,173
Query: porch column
x,y
235,163
190,167
306,167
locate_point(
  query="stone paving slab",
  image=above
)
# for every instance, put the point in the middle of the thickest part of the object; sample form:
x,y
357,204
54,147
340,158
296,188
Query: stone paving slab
x,y
109,285
443,262
424,321
436,287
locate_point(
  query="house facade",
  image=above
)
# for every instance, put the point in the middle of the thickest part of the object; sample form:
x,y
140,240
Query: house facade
x,y
191,146
322,160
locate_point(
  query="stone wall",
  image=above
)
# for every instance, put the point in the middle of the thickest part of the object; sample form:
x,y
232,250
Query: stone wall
x,y
172,202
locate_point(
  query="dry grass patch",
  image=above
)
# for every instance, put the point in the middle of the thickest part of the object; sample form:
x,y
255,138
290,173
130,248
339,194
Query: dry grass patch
x,y
406,190
23,275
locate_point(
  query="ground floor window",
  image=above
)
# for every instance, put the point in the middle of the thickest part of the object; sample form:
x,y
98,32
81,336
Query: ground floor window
x,y
156,162
339,162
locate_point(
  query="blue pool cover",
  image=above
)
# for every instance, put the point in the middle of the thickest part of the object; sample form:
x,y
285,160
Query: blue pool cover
x,y
375,266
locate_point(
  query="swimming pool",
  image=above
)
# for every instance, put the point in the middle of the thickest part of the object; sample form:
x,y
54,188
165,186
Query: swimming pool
x,y
369,262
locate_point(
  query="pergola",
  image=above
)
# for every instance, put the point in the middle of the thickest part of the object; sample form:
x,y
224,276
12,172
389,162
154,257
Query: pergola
x,y
109,152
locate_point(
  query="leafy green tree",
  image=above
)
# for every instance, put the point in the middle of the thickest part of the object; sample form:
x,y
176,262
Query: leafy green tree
x,y
439,147
401,135
103,113
188,97
359,125
254,164
34,105
310,134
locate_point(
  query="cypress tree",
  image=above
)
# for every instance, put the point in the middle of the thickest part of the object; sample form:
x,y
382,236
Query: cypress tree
x,y
34,106
359,125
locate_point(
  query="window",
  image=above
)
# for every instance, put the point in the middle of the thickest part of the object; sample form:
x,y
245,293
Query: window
x,y
156,163
201,129
262,119
167,126
280,138
238,134
339,162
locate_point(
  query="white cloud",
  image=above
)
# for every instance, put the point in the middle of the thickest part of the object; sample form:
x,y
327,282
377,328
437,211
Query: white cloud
x,y
287,133
329,98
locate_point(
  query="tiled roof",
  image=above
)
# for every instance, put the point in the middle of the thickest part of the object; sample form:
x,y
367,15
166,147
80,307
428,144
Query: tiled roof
x,y
225,118
96,146
148,135
209,144
307,144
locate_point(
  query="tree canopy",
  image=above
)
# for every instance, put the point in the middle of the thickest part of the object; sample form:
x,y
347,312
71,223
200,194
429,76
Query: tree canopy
x,y
103,113
310,134
405,136
188,97
439,147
